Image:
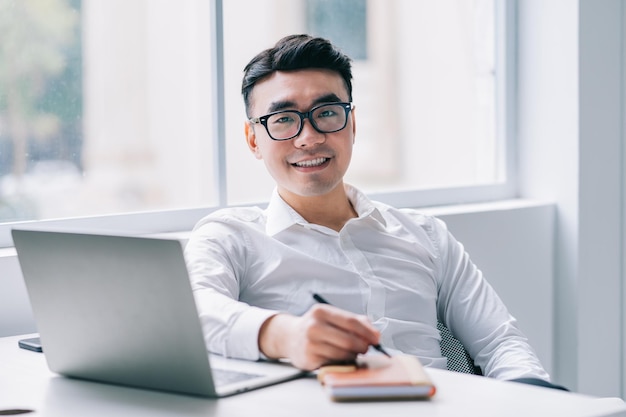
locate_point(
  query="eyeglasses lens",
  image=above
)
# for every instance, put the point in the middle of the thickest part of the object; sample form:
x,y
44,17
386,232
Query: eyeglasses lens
x,y
326,119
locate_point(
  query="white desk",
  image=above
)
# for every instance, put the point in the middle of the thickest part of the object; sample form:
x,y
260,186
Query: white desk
x,y
26,382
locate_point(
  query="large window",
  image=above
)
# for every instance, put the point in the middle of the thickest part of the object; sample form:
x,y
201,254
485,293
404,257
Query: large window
x,y
112,107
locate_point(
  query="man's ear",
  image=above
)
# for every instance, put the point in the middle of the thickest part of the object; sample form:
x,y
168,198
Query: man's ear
x,y
251,140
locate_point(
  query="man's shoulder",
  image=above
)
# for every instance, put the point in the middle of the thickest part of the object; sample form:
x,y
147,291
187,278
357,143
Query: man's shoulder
x,y
404,214
235,216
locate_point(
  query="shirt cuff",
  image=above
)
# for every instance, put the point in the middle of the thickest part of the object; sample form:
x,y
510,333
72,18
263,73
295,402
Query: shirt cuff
x,y
244,334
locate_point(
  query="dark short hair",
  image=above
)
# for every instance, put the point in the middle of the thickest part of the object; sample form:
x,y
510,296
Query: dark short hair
x,y
296,52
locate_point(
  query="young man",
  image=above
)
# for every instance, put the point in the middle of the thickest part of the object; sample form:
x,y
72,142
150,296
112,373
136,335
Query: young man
x,y
389,273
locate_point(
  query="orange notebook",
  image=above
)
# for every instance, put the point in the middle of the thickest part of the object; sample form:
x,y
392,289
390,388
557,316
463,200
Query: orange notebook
x,y
377,377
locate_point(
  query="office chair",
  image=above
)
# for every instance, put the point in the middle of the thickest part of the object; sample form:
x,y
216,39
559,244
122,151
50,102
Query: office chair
x,y
452,349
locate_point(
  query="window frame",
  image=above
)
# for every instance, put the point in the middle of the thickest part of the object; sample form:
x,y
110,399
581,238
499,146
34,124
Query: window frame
x,y
177,220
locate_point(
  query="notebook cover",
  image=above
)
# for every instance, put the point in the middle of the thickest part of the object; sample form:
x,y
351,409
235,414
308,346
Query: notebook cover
x,y
378,377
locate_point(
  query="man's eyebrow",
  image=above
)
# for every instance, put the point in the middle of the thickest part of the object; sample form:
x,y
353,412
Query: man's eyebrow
x,y
288,104
328,98
281,105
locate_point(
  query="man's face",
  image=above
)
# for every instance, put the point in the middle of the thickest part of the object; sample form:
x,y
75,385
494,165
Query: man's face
x,y
312,163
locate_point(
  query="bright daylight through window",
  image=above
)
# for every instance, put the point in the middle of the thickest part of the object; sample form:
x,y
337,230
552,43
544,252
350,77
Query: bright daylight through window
x,y
106,107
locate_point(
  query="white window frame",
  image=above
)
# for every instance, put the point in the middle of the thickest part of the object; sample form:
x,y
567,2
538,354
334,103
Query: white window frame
x,y
184,219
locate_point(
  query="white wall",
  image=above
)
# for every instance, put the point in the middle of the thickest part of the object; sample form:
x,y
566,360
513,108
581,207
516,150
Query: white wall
x,y
15,312
570,151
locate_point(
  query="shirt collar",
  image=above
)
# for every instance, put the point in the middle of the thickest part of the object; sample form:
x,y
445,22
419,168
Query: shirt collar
x,y
281,216
363,206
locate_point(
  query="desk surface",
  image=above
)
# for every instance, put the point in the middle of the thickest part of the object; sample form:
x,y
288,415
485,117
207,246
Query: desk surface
x,y
26,382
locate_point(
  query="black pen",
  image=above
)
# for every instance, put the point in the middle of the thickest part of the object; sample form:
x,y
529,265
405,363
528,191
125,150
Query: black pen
x,y
322,300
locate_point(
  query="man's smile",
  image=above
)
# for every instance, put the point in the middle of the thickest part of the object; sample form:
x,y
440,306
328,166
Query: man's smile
x,y
311,162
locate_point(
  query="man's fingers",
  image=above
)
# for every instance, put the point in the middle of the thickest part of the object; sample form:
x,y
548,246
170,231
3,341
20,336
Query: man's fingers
x,y
324,334
343,329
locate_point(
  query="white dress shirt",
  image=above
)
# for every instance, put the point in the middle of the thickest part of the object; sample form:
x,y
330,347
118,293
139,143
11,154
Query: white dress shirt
x,y
400,268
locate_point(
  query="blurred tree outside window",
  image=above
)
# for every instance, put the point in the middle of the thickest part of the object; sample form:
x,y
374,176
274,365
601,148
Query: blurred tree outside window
x,y
40,97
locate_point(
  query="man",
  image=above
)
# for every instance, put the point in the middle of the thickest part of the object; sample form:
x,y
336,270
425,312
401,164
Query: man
x,y
389,273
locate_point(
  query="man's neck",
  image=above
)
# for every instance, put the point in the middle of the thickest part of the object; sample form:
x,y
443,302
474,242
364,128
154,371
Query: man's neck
x,y
332,210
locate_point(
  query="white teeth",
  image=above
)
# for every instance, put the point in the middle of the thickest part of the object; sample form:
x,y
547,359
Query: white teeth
x,y
311,162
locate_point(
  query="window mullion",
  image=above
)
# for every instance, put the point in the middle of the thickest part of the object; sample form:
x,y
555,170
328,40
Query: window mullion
x,y
506,91
219,116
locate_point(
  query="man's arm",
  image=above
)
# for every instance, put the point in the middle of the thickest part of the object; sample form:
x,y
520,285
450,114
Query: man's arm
x,y
476,315
324,334
214,256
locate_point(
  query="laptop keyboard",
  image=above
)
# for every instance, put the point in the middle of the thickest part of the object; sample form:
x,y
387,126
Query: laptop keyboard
x,y
224,376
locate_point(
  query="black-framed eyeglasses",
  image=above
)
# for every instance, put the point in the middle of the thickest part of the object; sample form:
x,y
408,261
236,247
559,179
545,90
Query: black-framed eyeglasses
x,y
287,124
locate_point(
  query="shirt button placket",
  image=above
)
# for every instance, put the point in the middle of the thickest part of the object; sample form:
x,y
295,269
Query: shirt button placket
x,y
372,289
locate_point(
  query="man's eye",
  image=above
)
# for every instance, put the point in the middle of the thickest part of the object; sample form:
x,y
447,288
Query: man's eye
x,y
285,118
327,113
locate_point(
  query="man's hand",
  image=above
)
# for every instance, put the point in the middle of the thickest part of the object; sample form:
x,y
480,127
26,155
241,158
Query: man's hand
x,y
322,335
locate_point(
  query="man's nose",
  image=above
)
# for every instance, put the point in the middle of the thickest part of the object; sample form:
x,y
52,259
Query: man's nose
x,y
308,136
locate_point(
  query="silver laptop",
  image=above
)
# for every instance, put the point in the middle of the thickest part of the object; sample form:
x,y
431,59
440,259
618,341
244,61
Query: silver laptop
x,y
120,309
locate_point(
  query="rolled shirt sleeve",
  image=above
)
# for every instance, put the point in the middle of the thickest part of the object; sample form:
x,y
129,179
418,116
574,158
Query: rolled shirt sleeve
x,y
213,254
